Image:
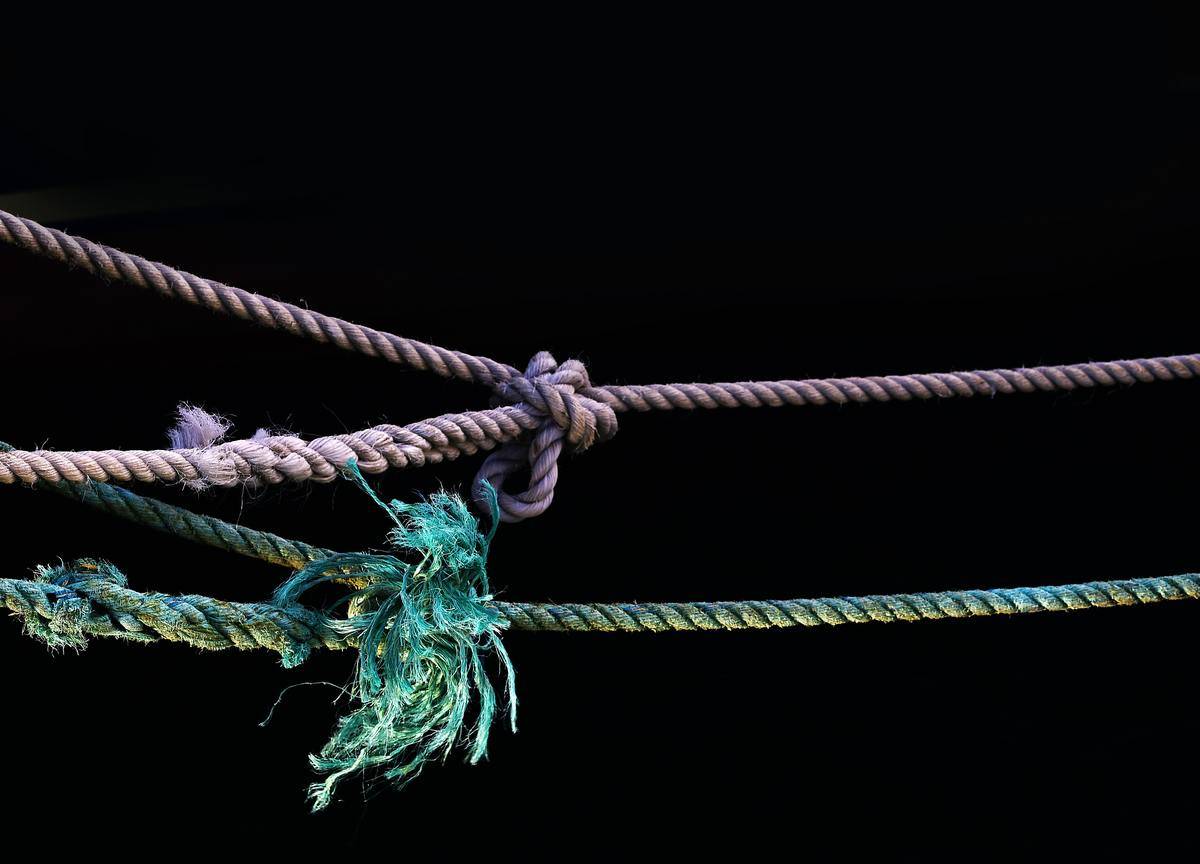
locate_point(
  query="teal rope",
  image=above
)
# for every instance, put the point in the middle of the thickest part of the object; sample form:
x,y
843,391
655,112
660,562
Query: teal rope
x,y
831,611
112,609
65,604
180,522
660,617
427,627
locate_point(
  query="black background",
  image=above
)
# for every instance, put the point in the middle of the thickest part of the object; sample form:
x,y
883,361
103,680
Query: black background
x,y
715,204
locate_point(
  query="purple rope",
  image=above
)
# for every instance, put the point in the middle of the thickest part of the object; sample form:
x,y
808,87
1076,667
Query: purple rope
x,y
565,407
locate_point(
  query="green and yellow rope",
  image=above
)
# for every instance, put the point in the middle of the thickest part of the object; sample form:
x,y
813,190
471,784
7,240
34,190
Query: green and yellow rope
x,y
105,606
423,620
662,617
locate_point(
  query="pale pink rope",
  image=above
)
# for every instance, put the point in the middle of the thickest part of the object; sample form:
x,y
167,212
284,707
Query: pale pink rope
x,y
556,403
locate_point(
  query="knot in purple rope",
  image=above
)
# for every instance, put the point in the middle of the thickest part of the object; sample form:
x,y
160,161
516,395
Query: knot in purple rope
x,y
552,392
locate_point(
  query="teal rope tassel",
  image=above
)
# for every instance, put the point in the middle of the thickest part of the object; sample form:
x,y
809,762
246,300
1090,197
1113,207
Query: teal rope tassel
x,y
422,642
423,629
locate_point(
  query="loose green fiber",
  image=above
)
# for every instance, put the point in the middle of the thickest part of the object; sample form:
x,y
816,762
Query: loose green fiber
x,y
424,630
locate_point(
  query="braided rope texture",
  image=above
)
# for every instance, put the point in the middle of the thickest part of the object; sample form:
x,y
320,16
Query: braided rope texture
x,y
91,597
275,459
898,388
196,527
549,404
181,522
832,611
114,265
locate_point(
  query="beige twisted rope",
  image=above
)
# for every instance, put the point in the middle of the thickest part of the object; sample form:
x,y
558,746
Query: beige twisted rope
x,y
550,404
274,459
115,265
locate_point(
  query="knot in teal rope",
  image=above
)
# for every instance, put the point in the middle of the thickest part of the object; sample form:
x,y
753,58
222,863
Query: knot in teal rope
x,y
70,608
423,628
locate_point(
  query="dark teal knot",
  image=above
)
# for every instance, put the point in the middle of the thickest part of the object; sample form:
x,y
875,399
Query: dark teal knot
x,y
68,609
80,572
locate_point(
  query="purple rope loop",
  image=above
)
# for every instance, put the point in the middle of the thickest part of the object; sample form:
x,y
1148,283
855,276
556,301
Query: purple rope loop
x,y
552,392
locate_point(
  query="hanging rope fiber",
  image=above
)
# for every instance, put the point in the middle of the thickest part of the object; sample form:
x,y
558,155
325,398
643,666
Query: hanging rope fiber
x,y
421,615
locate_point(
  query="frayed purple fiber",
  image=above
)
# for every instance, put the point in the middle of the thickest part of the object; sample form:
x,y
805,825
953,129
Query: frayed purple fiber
x,y
195,428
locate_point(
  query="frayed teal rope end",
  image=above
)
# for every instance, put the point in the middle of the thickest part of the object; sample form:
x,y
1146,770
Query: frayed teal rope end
x,y
424,631
64,626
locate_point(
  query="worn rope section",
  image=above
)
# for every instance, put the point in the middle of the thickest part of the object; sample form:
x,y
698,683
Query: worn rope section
x,y
555,418
418,615
271,460
64,604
